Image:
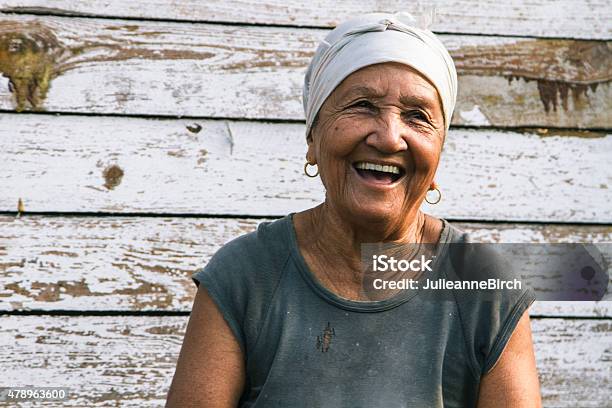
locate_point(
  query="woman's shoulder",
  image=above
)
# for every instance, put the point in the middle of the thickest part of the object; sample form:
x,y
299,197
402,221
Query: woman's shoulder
x,y
489,314
242,275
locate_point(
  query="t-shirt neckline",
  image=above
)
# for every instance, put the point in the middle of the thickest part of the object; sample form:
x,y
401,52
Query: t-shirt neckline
x,y
357,305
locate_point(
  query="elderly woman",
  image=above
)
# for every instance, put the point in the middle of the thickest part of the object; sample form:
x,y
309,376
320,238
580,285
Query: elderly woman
x,y
287,316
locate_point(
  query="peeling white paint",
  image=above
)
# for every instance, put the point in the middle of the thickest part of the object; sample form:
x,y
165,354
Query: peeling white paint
x,y
84,263
474,117
222,73
132,359
561,18
483,174
4,85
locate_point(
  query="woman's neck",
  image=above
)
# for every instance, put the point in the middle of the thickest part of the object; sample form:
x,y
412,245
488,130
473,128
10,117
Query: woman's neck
x,y
331,244
331,226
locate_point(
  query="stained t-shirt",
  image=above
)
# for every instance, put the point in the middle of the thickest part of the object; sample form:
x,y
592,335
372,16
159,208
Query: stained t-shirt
x,y
304,346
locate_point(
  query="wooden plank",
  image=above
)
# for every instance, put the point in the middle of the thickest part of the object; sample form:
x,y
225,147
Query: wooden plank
x,y
542,233
131,359
573,360
560,18
106,164
104,361
136,263
177,69
110,263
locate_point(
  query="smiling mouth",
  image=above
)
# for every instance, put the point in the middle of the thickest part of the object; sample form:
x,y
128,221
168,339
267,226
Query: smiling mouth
x,y
378,173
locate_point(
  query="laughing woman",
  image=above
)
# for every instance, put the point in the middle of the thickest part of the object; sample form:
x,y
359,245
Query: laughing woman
x,y
287,316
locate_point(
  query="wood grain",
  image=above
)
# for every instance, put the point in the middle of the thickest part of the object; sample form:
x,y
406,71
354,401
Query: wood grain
x,y
561,18
232,71
565,361
136,264
81,65
130,360
105,164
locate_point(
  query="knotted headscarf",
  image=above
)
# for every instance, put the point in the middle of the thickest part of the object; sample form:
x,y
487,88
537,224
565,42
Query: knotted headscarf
x,y
372,39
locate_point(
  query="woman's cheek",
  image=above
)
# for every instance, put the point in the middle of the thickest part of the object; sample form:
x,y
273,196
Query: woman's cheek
x,y
425,151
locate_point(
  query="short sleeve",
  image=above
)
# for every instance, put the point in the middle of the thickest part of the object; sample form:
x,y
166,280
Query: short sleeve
x,y
223,279
242,277
503,316
489,316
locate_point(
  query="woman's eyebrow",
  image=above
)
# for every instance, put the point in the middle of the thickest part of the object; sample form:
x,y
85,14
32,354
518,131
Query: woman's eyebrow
x,y
361,90
416,100
406,100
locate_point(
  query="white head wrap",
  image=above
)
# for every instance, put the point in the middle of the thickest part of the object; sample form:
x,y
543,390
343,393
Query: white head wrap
x,y
372,39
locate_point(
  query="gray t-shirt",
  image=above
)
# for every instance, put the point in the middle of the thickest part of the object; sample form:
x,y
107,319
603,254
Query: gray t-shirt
x,y
307,347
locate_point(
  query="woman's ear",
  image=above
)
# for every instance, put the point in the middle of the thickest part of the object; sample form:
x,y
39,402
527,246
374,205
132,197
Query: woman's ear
x,y
310,153
310,156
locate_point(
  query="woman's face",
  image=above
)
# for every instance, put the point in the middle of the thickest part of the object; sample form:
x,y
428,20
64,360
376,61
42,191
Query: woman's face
x,y
382,115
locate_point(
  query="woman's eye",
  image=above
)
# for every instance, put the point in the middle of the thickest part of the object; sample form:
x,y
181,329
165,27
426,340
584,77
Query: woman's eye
x,y
415,116
363,104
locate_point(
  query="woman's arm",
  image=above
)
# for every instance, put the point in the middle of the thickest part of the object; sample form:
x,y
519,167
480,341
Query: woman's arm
x,y
210,369
513,380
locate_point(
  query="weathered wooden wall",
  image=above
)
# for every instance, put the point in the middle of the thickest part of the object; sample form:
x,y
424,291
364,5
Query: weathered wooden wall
x,y
119,120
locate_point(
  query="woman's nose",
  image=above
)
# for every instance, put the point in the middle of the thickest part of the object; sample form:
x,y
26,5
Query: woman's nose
x,y
388,134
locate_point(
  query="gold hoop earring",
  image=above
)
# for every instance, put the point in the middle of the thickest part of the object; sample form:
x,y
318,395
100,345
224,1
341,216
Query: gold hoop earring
x,y
439,196
306,170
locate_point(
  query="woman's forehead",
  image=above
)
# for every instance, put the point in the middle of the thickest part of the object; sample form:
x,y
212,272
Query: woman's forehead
x,y
381,80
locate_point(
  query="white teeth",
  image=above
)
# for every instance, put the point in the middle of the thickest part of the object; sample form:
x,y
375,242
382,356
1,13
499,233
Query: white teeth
x,y
377,167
